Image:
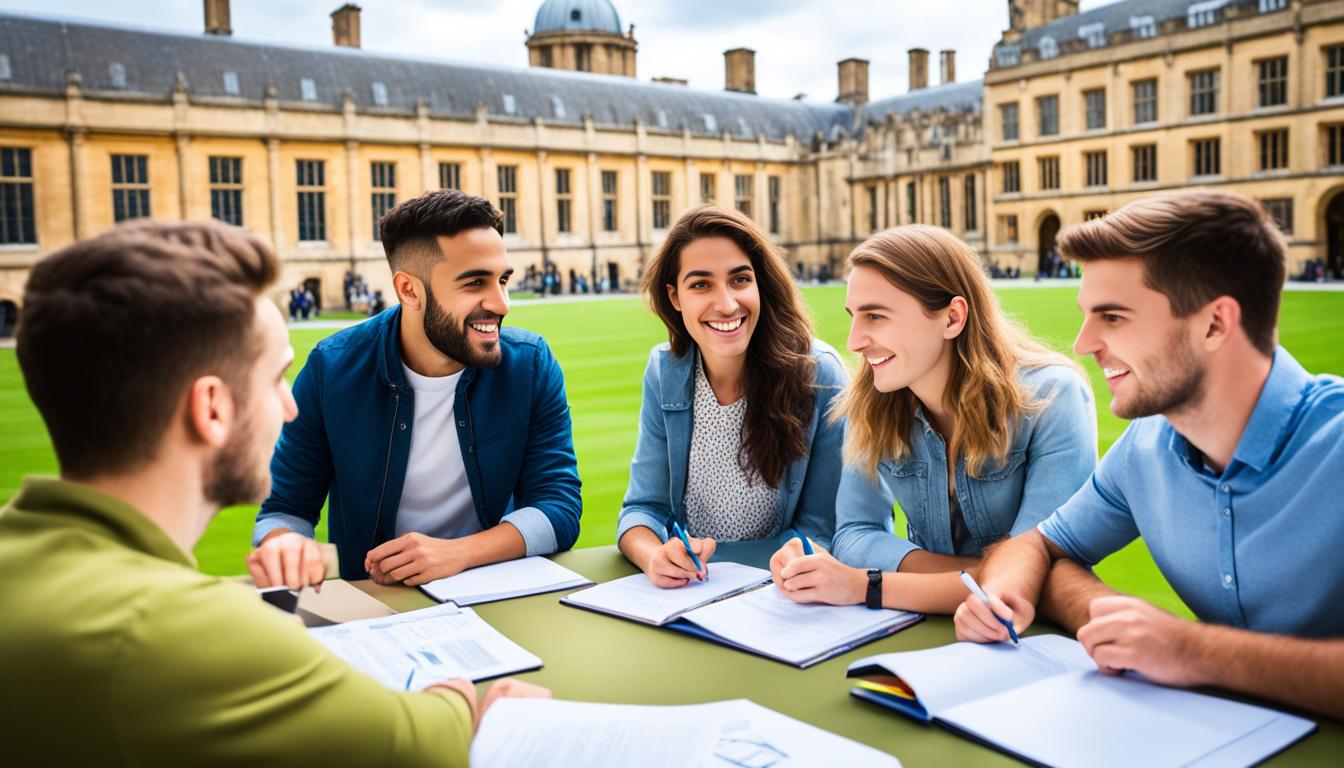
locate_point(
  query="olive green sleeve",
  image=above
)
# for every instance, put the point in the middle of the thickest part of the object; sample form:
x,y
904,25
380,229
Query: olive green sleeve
x,y
212,676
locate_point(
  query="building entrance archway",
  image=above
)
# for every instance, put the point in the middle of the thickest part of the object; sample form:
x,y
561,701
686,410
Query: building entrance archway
x,y
1046,261
1334,236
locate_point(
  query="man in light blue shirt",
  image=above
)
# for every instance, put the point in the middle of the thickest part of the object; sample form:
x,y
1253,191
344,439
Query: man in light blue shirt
x,y
1229,471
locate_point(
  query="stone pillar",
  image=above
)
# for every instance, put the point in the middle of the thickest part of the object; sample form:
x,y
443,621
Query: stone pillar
x,y
352,197
183,142
273,192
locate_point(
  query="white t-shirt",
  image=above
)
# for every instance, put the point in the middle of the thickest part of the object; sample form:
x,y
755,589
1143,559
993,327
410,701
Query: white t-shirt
x,y
436,498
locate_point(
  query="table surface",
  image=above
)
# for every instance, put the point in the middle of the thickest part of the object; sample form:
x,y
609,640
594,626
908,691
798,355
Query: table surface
x,y
587,656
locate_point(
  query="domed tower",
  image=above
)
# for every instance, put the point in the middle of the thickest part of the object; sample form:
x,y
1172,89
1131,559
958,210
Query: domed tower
x,y
581,35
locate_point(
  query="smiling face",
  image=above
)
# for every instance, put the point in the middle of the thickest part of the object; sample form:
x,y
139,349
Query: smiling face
x,y
899,341
717,296
467,297
1147,353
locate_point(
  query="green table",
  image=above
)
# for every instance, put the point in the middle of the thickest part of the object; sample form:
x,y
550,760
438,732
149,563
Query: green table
x,y
591,657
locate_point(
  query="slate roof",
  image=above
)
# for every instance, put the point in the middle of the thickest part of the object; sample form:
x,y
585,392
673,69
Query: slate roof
x,y
145,63
952,97
1113,17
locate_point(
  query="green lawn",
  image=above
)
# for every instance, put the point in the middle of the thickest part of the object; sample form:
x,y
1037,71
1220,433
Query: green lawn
x,y
602,346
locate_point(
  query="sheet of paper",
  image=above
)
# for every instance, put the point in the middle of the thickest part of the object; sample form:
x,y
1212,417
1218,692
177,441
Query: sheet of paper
x,y
415,649
500,581
542,732
339,602
766,621
1086,718
949,675
635,597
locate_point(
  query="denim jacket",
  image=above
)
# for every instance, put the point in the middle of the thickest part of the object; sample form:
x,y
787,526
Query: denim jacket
x,y
351,443
1052,456
663,453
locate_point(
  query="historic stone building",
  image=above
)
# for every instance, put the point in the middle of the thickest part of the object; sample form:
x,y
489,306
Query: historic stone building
x,y
308,147
1088,111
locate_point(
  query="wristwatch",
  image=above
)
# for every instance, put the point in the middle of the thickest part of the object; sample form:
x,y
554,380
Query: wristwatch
x,y
874,596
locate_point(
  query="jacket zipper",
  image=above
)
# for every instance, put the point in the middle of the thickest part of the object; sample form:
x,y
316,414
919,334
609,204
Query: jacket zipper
x,y
392,432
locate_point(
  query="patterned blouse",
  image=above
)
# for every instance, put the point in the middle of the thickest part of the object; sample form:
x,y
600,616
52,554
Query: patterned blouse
x,y
721,502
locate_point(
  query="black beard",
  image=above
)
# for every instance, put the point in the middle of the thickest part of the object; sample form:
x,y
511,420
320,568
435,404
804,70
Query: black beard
x,y
449,335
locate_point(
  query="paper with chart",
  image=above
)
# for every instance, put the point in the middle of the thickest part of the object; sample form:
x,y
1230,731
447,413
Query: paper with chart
x,y
1047,702
767,622
415,649
635,597
502,581
544,732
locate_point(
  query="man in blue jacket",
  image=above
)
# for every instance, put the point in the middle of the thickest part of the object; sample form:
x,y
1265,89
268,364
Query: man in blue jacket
x,y
440,439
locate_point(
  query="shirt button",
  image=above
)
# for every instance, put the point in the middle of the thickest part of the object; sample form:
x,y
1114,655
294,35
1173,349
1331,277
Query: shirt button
x,y
1227,578
1226,488
1227,512
403,425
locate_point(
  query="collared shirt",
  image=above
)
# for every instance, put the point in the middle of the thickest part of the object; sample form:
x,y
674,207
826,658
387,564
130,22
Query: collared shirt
x,y
1256,546
116,651
1054,450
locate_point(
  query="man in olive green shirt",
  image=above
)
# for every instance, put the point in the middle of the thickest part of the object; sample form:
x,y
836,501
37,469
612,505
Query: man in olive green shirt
x,y
158,366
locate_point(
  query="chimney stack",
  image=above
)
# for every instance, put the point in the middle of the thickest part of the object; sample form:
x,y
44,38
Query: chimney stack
x,y
217,18
853,81
919,68
739,70
345,26
947,66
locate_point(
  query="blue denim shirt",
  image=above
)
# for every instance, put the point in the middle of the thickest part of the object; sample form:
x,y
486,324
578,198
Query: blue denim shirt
x,y
351,443
1052,454
663,453
1256,546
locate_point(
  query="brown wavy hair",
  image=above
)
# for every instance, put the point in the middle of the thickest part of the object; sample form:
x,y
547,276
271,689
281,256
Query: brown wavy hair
x,y
983,390
780,370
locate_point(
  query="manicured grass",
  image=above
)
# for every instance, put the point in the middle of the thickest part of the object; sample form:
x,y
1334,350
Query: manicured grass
x,y
603,345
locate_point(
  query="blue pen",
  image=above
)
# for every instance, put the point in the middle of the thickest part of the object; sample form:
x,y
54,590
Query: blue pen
x,y
807,545
980,593
686,542
409,678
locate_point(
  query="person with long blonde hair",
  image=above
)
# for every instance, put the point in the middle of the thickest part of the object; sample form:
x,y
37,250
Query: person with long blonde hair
x,y
734,444
957,414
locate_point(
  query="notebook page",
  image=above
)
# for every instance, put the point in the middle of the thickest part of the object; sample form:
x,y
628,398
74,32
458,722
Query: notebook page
x,y
499,581
637,598
1086,718
766,621
952,674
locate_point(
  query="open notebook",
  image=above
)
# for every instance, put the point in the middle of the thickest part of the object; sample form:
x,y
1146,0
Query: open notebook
x,y
1047,703
738,607
409,651
502,581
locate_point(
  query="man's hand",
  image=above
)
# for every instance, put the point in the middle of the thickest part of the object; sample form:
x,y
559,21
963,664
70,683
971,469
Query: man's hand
x,y
286,558
509,688
816,578
670,567
415,559
1128,633
976,622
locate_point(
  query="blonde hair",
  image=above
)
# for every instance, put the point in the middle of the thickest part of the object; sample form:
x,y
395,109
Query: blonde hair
x,y
983,391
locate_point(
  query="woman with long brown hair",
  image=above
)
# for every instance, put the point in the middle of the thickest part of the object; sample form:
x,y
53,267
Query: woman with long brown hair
x,y
734,445
973,427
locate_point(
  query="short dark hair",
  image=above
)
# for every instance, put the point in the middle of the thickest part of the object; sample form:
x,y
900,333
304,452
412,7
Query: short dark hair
x,y
1196,246
116,327
408,231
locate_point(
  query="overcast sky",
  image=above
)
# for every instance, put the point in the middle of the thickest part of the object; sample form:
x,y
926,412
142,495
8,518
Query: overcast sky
x,y
797,42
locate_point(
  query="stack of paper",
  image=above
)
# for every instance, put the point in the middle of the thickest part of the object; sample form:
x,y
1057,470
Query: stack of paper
x,y
410,651
502,581
542,732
